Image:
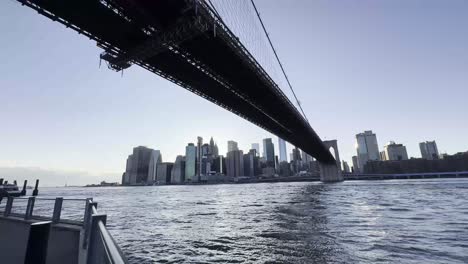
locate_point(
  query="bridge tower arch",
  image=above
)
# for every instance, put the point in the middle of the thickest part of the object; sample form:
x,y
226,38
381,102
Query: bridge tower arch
x,y
331,172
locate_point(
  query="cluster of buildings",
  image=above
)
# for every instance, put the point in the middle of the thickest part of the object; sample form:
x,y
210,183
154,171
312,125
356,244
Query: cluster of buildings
x,y
202,163
393,159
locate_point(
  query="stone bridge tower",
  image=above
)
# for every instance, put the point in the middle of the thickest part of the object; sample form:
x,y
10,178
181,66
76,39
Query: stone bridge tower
x,y
331,172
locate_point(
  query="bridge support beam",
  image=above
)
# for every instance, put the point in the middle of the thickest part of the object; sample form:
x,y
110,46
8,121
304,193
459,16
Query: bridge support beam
x,y
331,172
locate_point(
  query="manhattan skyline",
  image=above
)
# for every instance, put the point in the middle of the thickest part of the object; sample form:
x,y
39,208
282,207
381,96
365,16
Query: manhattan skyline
x,y
70,115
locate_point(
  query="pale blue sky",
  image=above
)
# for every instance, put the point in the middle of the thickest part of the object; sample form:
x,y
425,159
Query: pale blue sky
x,y
397,67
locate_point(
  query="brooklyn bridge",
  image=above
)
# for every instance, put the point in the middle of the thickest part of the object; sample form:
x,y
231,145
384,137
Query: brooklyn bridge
x,y
189,43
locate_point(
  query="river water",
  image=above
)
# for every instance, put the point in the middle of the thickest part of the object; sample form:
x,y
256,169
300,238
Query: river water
x,y
401,221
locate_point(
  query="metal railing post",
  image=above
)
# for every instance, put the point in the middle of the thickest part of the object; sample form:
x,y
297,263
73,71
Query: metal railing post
x,y
23,191
29,208
36,190
8,206
87,211
36,251
87,221
57,209
96,248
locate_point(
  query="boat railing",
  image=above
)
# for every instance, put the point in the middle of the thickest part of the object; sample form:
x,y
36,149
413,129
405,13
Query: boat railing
x,y
96,242
97,239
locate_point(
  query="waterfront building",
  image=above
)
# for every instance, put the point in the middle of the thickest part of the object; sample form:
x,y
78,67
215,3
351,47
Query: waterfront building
x,y
346,167
450,163
367,148
235,163
284,169
256,146
251,166
178,170
199,160
128,170
164,170
206,166
355,164
315,168
269,152
393,151
306,160
219,165
155,159
296,160
429,150
138,168
232,146
206,150
123,179
190,162
268,172
214,151
282,150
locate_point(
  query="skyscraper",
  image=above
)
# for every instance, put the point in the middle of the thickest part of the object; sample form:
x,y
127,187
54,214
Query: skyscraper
x,y
164,172
367,148
206,150
269,152
282,150
190,162
212,144
346,167
251,166
232,145
306,160
199,159
394,151
138,165
429,150
296,160
235,163
219,165
178,171
213,148
128,170
155,159
256,146
355,164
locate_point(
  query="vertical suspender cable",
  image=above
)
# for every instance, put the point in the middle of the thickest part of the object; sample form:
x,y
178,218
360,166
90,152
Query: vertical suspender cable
x,y
279,62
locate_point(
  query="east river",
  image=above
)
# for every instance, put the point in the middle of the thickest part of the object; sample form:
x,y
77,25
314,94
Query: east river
x,y
400,221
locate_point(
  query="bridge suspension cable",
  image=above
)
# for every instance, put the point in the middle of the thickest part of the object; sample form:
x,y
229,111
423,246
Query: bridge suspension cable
x,y
279,61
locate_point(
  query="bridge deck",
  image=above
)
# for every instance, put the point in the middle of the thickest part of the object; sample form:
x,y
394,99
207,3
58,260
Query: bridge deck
x,y
186,43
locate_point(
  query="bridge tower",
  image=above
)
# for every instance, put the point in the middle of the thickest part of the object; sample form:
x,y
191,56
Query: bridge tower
x,y
331,172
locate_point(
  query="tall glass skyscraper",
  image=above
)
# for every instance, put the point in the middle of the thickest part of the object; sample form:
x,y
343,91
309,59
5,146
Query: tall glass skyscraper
x,y
282,150
232,146
190,161
367,148
269,152
256,146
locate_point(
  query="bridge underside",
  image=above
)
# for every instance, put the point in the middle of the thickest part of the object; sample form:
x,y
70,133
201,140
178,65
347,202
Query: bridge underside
x,y
185,42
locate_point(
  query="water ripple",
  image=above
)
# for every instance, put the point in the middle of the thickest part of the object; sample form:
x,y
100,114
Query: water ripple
x,y
353,222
